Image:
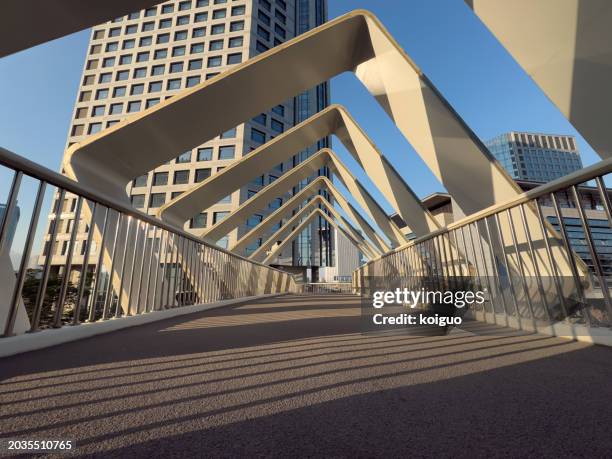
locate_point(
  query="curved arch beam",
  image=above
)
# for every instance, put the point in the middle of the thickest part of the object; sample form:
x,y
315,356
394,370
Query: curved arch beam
x,y
571,60
298,229
356,42
333,120
306,169
27,23
260,253
285,210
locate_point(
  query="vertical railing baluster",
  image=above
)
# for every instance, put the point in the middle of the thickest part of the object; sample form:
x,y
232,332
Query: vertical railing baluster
x,y
76,319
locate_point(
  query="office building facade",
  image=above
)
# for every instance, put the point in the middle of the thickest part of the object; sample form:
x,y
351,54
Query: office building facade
x,y
536,157
137,61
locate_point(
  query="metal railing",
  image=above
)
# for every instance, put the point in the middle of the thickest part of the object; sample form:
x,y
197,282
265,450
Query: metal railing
x,y
130,263
543,257
327,287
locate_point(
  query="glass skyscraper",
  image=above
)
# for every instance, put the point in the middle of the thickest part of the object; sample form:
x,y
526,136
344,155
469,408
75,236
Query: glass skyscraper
x,y
536,157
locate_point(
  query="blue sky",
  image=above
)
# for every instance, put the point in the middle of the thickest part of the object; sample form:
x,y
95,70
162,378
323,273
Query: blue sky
x,y
477,76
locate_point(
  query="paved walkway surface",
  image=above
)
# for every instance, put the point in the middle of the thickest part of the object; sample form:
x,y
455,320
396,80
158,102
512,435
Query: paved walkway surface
x,y
293,377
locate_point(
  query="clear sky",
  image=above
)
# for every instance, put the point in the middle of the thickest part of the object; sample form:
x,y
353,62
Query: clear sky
x,y
474,72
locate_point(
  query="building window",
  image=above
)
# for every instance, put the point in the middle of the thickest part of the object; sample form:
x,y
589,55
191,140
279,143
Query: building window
x,y
280,31
178,51
122,75
180,35
160,178
184,157
202,3
150,12
181,177
263,33
101,94
77,129
157,199
95,49
119,91
152,102
183,6
263,17
176,67
105,78
238,10
229,134
279,110
201,175
235,58
261,119
142,57
133,106
219,14
214,61
125,59
94,128
200,17
134,15
197,48
138,201
167,9
133,28
195,64
258,136
235,42
205,154
217,29
199,221
108,62
277,126
163,38
199,32
160,54
282,4
116,109
98,110
110,47
155,86
146,41
137,89
215,45
129,44
227,152
236,26
140,72
210,75
192,81
148,26
280,17
261,47
157,69
81,113
218,216
174,84
182,20
114,32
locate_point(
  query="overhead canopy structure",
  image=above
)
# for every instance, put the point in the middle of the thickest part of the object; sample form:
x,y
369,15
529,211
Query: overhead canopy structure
x,y
566,47
287,208
356,42
298,229
323,158
334,120
280,234
47,20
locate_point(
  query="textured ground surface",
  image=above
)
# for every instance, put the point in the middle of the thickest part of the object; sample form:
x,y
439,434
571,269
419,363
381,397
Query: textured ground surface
x,y
293,377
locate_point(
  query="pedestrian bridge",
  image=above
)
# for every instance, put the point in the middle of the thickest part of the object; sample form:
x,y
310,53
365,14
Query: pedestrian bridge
x,y
293,376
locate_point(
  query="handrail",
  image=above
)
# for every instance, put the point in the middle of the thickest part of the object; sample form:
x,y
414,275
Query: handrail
x,y
17,162
583,175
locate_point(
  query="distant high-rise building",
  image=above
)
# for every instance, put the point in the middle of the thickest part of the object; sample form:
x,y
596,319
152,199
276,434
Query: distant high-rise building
x,y
137,61
536,157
